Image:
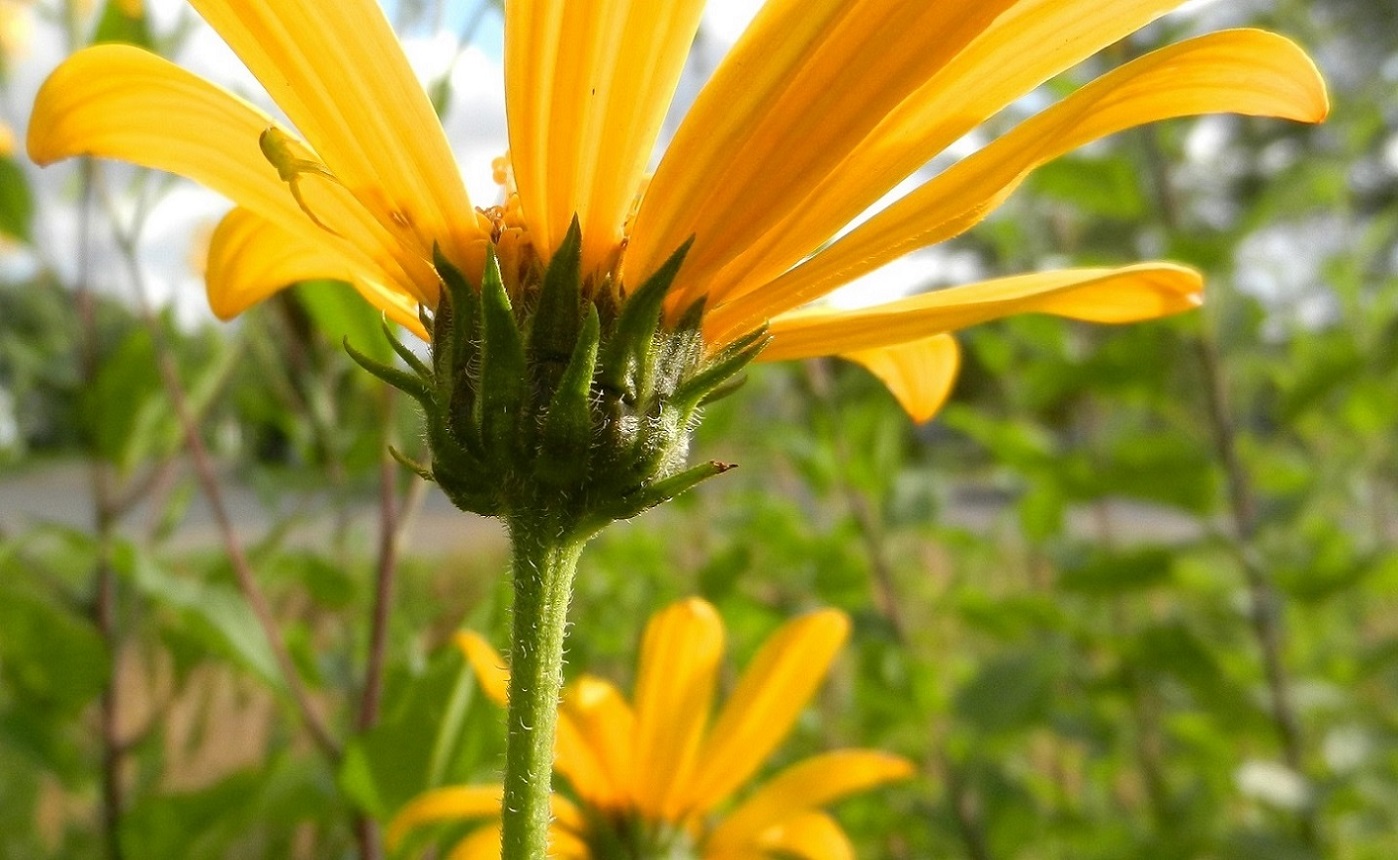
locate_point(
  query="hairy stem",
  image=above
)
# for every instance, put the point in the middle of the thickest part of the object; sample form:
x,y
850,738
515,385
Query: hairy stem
x,y
545,556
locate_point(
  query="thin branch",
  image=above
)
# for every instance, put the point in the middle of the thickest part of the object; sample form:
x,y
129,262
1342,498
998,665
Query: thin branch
x,y
860,507
213,494
384,576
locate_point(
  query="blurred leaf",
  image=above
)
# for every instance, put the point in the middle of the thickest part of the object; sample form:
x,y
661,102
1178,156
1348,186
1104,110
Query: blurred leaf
x,y
116,25
1105,572
1009,693
393,762
216,612
16,202
54,659
341,313
1107,187
721,573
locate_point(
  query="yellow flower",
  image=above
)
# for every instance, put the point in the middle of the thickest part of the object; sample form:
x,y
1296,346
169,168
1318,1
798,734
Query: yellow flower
x,y
820,110
7,141
650,774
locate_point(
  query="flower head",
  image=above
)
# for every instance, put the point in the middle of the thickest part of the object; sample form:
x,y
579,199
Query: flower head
x,y
650,775
820,110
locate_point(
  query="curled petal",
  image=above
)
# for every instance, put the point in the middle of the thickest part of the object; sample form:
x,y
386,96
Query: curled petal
x,y
1129,294
920,374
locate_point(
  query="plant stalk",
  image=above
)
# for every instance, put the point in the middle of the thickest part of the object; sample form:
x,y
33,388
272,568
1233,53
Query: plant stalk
x,y
544,558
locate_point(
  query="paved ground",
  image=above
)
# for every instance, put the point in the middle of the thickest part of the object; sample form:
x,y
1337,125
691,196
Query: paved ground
x,y
59,494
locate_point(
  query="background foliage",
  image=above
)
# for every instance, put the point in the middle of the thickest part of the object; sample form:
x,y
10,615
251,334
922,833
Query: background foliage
x,y
1131,595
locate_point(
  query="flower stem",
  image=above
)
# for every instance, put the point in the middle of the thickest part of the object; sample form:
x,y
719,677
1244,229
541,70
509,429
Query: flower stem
x,y
545,555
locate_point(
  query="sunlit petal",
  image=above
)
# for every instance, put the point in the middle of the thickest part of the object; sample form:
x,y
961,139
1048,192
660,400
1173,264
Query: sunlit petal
x,y
765,703
805,84
1130,294
587,86
251,258
342,78
1033,41
680,654
116,101
1247,72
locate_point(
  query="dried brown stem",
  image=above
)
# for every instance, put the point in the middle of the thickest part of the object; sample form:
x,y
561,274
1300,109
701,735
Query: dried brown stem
x,y
213,494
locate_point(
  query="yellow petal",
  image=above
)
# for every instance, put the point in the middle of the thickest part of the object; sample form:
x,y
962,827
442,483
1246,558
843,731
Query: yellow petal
x,y
808,836
250,258
803,86
117,101
803,787
456,803
481,844
920,373
7,141
680,653
607,726
587,86
338,72
1129,294
489,666
568,819
1247,72
1033,41
576,758
765,703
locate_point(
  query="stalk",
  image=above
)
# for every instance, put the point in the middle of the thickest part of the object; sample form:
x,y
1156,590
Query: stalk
x,y
544,559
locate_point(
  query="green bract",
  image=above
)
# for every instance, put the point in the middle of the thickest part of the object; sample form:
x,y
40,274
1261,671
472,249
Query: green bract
x,y
563,403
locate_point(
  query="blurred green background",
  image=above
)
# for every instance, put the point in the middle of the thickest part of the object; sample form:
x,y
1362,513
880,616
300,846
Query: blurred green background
x,y
1134,593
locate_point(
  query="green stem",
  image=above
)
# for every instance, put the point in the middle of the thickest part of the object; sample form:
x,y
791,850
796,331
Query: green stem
x,y
545,555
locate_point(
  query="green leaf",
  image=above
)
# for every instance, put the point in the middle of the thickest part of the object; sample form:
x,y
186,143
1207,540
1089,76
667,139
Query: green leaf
x,y
53,658
16,201
341,313
1105,572
1008,693
117,26
214,611
393,762
126,390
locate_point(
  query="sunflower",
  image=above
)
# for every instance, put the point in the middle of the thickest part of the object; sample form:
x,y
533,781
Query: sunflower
x,y
650,776
820,110
578,327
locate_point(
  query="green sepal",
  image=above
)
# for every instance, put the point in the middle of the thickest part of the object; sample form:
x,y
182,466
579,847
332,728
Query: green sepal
x,y
411,465
565,444
625,365
723,390
399,379
463,314
557,317
502,383
662,491
409,357
719,371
